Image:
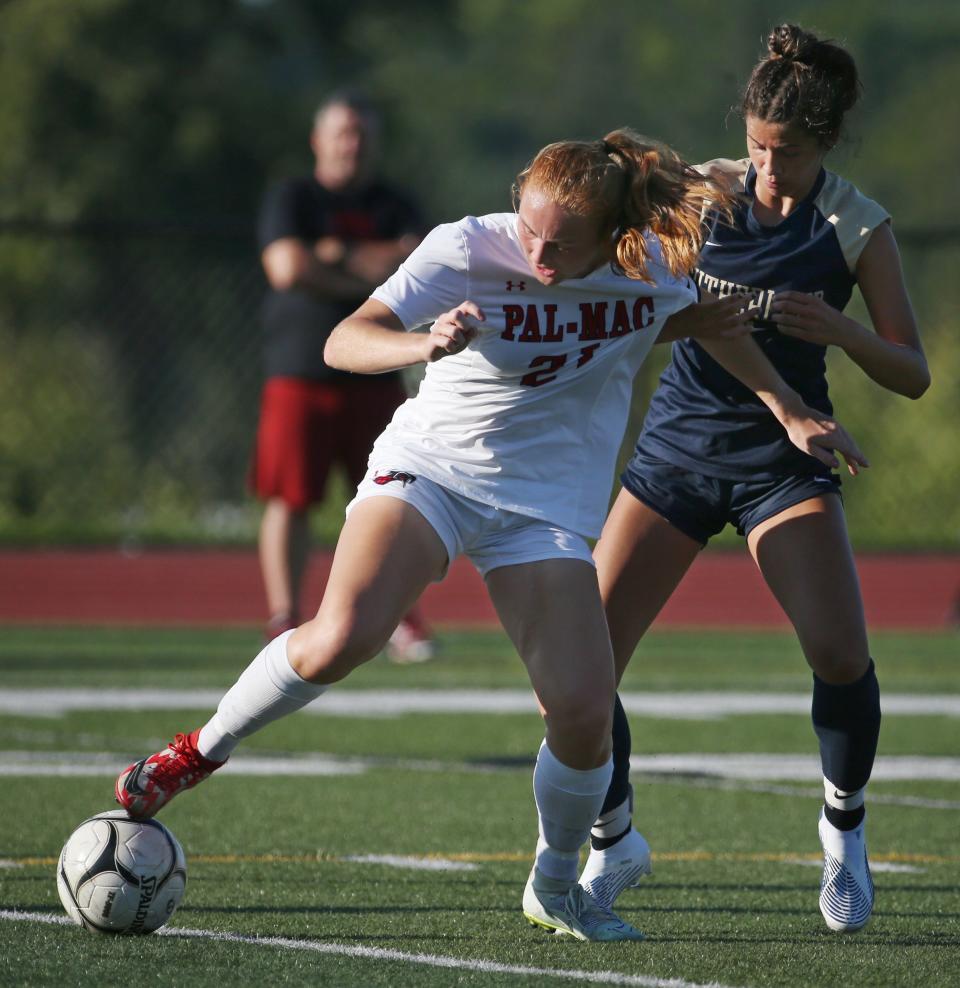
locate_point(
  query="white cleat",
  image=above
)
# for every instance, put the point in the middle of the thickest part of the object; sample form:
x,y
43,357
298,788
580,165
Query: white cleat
x,y
567,909
607,873
846,892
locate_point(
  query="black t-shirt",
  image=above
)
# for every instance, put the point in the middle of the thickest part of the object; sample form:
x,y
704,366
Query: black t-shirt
x,y
297,322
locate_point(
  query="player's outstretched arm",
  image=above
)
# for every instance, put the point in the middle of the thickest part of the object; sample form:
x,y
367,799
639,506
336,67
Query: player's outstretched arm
x,y
373,340
817,434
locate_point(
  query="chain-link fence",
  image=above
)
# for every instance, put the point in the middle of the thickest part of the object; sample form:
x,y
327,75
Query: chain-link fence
x,y
129,385
131,372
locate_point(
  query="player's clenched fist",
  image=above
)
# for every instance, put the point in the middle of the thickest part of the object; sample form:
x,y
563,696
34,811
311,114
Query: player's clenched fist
x,y
454,330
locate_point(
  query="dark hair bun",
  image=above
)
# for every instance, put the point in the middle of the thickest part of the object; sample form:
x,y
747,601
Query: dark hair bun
x,y
805,80
793,43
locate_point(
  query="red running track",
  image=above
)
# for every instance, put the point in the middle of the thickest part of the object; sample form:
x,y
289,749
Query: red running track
x,y
205,587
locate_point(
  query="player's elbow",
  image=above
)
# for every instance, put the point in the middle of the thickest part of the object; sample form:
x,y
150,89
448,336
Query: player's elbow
x,y
924,382
919,390
919,382
334,351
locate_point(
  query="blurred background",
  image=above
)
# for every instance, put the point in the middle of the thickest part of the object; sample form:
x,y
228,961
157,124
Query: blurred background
x,y
136,141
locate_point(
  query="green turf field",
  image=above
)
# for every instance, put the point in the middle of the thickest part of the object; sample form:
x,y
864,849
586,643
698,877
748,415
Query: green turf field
x,y
399,856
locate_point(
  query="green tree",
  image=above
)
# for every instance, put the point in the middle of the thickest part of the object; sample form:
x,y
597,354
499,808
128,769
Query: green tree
x,y
155,127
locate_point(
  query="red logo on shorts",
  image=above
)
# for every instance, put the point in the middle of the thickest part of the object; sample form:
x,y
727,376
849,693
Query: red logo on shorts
x,y
385,478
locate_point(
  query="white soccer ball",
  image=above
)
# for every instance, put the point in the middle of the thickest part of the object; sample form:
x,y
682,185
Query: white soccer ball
x,y
118,875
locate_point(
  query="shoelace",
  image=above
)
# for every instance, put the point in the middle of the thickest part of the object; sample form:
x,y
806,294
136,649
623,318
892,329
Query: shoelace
x,y
587,910
178,767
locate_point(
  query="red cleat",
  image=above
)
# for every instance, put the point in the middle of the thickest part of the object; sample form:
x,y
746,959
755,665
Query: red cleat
x,y
148,785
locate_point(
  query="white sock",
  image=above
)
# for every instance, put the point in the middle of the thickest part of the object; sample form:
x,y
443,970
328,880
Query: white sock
x,y
614,822
568,801
268,689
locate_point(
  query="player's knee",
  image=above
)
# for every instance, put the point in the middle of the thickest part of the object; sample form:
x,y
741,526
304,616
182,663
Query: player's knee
x,y
326,650
838,661
585,716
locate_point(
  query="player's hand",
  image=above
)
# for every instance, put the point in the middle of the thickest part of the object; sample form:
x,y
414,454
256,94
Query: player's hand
x,y
823,437
453,331
808,317
711,319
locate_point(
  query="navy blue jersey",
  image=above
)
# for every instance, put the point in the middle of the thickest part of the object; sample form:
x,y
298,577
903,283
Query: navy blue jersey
x,y
701,417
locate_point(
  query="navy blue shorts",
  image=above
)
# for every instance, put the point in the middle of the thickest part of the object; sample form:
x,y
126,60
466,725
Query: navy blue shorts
x,y
700,506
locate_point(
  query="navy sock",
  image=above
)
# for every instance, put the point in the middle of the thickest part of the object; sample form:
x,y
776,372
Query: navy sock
x,y
619,791
620,783
846,719
844,819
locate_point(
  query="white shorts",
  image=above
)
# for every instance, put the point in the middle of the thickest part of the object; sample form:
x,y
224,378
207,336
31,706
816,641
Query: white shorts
x,y
490,537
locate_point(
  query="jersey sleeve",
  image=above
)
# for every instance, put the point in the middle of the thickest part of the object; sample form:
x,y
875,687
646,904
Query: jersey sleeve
x,y
431,281
853,215
725,173
728,174
279,215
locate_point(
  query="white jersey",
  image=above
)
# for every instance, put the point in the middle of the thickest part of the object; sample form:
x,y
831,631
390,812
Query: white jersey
x,y
530,416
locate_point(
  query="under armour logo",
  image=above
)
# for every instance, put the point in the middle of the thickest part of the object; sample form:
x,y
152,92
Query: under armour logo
x,y
521,286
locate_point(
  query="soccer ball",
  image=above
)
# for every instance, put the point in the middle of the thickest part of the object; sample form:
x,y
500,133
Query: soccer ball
x,y
118,875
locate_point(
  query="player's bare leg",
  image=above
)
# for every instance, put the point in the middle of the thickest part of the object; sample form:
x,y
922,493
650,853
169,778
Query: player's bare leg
x,y
805,556
806,559
411,641
386,556
552,612
641,558
284,545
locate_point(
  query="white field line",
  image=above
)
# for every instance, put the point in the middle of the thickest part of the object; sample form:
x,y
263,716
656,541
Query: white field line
x,y
381,954
403,861
406,861
695,705
892,867
752,767
812,792
100,763
749,767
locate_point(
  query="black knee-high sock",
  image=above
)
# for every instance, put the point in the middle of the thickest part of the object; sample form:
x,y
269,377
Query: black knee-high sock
x,y
846,719
620,783
619,792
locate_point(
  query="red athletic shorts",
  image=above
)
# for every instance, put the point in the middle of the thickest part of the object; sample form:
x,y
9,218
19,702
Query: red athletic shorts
x,y
306,427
